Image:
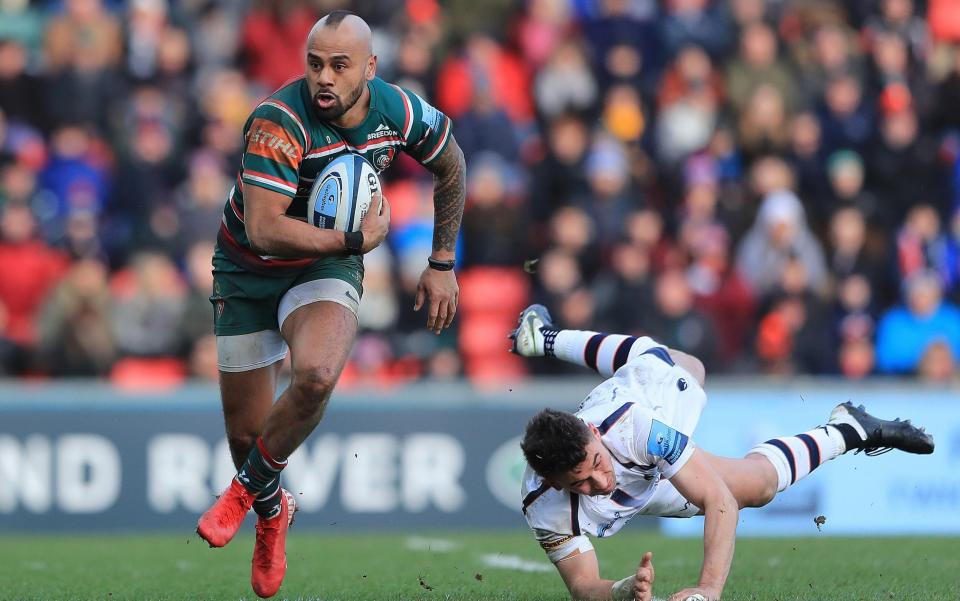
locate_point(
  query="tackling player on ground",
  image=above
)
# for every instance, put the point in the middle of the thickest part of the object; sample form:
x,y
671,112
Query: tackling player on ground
x,y
279,282
628,451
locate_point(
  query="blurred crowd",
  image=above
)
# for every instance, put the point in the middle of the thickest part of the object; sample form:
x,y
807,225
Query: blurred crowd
x,y
772,185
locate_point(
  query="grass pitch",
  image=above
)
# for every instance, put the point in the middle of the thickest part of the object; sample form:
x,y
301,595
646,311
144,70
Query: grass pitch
x,y
447,566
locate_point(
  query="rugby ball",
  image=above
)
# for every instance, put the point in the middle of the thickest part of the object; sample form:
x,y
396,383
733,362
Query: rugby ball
x,y
342,193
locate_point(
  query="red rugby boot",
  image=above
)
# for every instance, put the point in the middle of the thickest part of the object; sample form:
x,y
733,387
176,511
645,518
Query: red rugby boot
x,y
218,525
270,551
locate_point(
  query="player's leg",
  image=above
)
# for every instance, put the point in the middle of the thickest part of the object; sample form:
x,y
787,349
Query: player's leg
x,y
777,464
536,336
247,397
321,337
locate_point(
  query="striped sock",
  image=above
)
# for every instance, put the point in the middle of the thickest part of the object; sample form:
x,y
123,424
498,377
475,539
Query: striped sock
x,y
267,504
605,353
796,456
260,472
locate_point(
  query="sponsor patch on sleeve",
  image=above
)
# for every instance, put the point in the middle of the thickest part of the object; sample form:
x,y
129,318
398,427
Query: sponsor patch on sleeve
x,y
666,442
432,118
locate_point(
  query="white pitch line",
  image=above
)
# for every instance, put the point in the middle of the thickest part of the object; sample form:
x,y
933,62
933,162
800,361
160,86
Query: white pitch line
x,y
513,562
437,545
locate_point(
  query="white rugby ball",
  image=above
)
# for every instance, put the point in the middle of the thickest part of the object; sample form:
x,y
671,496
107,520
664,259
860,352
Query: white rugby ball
x,y
342,193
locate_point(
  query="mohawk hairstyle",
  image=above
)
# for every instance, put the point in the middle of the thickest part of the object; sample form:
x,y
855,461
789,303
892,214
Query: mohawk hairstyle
x,y
335,17
555,442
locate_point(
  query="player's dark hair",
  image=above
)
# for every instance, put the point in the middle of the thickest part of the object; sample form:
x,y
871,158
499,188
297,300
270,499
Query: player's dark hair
x,y
555,442
335,17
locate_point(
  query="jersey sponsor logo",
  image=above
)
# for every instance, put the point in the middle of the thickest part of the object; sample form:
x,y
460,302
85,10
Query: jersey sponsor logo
x,y
431,117
271,140
666,442
382,131
682,384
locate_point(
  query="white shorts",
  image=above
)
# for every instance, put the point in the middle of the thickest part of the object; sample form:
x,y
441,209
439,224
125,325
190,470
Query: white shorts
x,y
246,352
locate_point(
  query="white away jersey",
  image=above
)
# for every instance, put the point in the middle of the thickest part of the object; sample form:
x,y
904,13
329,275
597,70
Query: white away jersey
x,y
646,414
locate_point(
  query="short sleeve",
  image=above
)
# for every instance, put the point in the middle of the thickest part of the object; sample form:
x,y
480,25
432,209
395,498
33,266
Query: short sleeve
x,y
656,442
430,129
275,142
561,546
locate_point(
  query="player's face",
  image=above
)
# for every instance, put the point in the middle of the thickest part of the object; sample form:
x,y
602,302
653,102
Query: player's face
x,y
338,67
594,475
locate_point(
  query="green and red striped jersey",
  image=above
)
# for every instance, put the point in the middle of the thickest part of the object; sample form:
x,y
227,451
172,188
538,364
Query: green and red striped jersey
x,y
287,145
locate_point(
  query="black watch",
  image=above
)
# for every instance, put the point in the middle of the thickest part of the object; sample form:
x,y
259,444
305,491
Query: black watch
x,y
441,265
354,242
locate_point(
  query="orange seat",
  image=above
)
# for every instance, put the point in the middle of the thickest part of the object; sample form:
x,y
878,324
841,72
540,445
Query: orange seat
x,y
148,374
496,290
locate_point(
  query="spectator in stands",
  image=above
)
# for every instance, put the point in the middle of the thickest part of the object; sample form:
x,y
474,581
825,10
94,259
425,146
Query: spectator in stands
x,y
763,127
921,243
83,48
779,235
851,253
689,99
31,269
75,179
623,45
907,330
855,326
901,158
845,171
21,92
148,308
757,64
720,291
486,128
612,195
559,177
197,311
938,364
676,322
628,284
493,220
700,22
267,62
807,158
565,83
485,62
75,337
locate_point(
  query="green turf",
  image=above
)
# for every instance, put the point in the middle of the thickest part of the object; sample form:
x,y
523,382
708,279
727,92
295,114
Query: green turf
x,y
382,567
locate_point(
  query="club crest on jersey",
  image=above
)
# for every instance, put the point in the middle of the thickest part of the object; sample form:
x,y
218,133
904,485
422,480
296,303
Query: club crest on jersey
x,y
382,157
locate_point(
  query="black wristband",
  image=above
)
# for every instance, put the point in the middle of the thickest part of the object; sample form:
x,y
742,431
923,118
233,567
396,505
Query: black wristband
x,y
354,242
441,265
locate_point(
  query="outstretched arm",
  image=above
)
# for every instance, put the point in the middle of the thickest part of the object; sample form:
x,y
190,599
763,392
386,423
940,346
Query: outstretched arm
x,y
439,288
581,574
702,486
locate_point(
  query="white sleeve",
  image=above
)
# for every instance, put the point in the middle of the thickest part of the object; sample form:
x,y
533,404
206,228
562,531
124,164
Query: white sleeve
x,y
658,443
549,518
561,546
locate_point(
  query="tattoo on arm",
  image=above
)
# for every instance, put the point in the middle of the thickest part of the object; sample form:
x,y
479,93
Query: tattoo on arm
x,y
449,194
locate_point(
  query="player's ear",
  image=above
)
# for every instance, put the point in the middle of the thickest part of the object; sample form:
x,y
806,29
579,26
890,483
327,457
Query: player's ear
x,y
372,67
594,431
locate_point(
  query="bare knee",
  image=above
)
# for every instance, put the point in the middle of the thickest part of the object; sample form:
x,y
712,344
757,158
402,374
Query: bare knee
x,y
763,488
240,442
311,387
764,494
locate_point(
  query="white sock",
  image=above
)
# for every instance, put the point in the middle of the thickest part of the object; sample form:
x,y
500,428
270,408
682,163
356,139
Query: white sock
x,y
796,456
605,353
